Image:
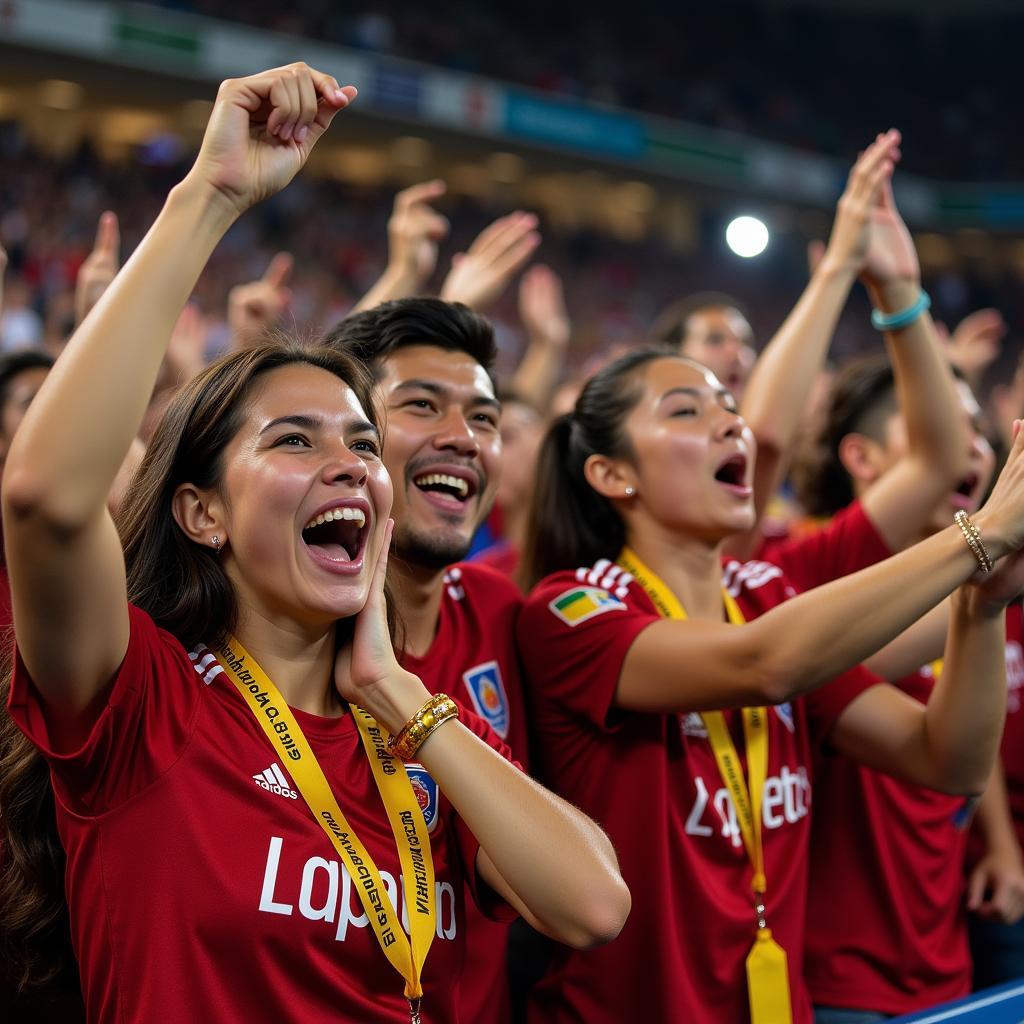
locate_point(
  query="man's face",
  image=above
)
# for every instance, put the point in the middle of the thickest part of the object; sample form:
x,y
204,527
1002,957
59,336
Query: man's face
x,y
442,447
721,339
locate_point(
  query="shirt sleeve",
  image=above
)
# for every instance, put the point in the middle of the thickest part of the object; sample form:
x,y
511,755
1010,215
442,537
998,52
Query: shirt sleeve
x,y
487,900
848,543
574,640
140,731
825,705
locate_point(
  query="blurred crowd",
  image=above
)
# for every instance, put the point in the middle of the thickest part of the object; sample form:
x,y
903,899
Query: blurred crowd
x,y
786,76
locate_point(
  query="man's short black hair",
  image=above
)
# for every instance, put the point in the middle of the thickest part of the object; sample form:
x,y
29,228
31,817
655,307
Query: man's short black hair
x,y
372,335
13,363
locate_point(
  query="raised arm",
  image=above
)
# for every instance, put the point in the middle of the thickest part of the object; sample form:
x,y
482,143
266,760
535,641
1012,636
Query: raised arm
x,y
543,313
414,232
780,385
702,665
901,502
64,557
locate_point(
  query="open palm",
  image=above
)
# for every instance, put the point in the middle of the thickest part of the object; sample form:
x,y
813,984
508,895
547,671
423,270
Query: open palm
x,y
890,255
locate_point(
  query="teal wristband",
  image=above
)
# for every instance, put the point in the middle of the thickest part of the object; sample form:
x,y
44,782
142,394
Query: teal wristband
x,y
904,318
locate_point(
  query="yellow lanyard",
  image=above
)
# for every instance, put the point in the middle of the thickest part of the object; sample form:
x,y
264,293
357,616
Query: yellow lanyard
x,y
767,975
406,954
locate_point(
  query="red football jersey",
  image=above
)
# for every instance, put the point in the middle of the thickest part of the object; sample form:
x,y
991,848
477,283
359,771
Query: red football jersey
x,y
886,856
200,884
846,543
1011,752
652,782
474,660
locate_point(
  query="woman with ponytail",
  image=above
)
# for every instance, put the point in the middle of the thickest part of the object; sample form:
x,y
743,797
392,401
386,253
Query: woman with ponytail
x,y
678,694
211,681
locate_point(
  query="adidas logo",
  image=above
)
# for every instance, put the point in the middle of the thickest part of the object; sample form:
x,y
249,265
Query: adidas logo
x,y
273,779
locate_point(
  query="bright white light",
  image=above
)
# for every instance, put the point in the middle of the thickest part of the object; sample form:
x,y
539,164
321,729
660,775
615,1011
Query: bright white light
x,y
747,236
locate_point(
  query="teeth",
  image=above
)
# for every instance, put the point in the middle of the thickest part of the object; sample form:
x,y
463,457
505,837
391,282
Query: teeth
x,y
356,515
445,480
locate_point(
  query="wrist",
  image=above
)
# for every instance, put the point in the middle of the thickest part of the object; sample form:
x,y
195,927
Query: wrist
x,y
993,536
395,699
399,276
893,296
970,602
832,268
208,206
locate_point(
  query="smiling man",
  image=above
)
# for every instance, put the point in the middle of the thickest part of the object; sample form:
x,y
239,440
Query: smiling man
x,y
432,361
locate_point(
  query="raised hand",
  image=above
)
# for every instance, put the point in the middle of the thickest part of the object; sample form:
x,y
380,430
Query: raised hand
x,y
263,129
480,275
891,258
1002,516
415,230
851,232
186,351
542,307
254,308
100,267
976,342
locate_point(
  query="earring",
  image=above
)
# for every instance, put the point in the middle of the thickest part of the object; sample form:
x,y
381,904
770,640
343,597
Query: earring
x,y
630,491
215,542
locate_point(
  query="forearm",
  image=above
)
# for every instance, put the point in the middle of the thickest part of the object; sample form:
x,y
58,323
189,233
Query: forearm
x,y
394,283
780,384
993,817
926,389
537,375
558,864
77,432
874,605
963,721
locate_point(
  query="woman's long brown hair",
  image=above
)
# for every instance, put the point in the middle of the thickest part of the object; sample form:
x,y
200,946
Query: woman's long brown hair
x,y
184,587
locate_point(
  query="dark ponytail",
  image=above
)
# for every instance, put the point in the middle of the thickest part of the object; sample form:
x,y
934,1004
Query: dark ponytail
x,y
570,524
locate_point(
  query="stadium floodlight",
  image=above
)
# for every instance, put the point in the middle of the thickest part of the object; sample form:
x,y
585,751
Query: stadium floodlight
x,y
747,236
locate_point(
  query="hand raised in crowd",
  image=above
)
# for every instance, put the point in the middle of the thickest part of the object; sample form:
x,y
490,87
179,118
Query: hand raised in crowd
x,y
186,351
254,308
263,129
542,307
856,211
481,274
100,267
976,342
415,229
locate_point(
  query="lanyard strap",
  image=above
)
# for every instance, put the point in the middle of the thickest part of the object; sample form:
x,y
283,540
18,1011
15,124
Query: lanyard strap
x,y
406,954
755,728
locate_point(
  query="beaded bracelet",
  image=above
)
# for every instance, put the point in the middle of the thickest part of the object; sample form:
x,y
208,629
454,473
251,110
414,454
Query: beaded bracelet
x,y
904,317
973,537
412,735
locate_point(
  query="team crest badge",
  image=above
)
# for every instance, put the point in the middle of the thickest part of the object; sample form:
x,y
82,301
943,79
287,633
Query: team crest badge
x,y
785,713
487,692
425,790
582,603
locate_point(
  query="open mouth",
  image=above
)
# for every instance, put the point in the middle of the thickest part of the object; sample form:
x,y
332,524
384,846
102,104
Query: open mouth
x,y
337,534
963,496
733,472
449,488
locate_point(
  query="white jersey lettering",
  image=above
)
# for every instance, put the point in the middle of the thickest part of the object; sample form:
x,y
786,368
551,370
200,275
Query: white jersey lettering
x,y
787,799
341,901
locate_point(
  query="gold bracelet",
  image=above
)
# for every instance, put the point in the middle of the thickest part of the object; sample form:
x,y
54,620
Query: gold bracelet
x,y
437,710
973,537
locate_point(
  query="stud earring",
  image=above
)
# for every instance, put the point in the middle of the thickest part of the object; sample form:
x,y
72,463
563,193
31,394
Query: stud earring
x,y
215,541
630,492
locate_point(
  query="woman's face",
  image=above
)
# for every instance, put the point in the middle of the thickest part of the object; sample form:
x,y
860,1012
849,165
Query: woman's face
x,y
693,455
304,498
